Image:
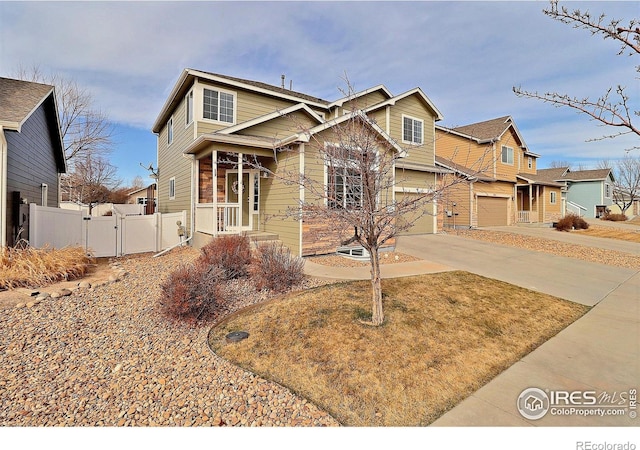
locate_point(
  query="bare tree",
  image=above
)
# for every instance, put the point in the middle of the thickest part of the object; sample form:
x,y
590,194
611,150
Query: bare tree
x,y
91,182
355,200
627,185
559,164
85,129
613,107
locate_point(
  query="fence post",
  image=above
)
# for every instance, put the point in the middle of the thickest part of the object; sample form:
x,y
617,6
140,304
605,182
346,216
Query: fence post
x,y
33,234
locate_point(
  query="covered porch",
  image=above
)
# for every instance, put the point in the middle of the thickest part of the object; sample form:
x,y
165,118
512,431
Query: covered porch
x,y
229,191
528,203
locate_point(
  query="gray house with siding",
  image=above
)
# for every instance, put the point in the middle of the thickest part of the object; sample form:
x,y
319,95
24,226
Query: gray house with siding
x,y
31,152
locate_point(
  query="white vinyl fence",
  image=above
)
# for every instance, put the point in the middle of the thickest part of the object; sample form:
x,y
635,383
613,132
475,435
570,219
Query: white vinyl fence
x,y
114,235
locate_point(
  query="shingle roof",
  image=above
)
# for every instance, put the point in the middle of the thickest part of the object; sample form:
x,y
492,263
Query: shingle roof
x,y
538,178
270,87
552,174
487,130
473,173
581,175
19,98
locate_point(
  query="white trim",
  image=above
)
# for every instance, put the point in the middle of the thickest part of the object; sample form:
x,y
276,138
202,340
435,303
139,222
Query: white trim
x,y
271,116
392,101
234,94
341,101
3,187
302,198
413,121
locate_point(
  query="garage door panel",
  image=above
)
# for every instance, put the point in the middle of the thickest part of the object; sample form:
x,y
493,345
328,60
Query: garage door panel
x,y
492,211
422,225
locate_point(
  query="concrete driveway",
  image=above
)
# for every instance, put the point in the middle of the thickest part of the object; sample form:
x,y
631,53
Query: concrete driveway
x,y
597,355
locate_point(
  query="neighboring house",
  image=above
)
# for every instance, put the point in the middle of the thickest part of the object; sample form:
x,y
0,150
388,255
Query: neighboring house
x,y
147,196
210,122
31,152
502,185
588,192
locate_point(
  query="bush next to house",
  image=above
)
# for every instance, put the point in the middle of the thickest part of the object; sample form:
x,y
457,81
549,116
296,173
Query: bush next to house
x,y
230,253
570,222
192,292
275,268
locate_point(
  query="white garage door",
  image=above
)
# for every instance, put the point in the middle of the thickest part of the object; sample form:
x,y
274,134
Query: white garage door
x,y
492,211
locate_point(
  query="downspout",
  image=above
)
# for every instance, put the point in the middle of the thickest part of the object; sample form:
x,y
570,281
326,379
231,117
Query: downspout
x,y
192,214
3,188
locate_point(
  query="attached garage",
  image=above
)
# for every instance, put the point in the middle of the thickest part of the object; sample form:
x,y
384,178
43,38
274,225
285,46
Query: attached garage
x,y
493,211
423,225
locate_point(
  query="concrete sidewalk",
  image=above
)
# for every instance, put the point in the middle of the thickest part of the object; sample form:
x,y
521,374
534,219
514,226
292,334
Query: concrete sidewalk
x,y
599,352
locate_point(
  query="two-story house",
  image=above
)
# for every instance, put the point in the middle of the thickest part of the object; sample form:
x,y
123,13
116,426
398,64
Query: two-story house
x,y
502,183
587,193
31,153
212,124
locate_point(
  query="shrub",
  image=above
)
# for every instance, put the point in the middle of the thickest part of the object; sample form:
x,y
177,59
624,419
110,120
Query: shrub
x,y
615,217
231,253
571,221
192,292
276,269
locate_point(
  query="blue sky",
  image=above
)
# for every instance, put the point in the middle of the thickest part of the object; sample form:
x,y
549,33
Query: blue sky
x,y
466,56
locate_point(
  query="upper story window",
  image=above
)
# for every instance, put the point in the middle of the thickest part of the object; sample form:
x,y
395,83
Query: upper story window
x,y
552,197
170,131
507,155
188,101
412,130
530,162
607,190
218,105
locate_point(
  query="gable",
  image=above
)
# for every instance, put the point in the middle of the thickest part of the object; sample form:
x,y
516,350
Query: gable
x,y
281,126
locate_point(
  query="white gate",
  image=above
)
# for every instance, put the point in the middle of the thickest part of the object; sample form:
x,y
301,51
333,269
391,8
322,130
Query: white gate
x,y
104,236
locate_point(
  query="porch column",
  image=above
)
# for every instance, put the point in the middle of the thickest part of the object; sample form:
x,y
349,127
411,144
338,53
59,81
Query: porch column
x,y
214,178
240,192
538,202
530,202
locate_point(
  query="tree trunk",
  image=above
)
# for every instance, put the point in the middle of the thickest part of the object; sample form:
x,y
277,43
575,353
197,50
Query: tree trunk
x,y
377,317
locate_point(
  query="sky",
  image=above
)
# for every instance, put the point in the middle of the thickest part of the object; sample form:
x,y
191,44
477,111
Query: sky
x,y
465,56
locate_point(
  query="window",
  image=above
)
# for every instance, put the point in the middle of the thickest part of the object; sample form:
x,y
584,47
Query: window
x,y
170,131
507,155
411,130
218,106
552,197
530,162
189,108
344,182
607,190
44,191
172,188
256,192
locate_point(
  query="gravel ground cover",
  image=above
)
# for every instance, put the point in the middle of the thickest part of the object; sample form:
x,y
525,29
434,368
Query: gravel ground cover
x,y
584,253
105,356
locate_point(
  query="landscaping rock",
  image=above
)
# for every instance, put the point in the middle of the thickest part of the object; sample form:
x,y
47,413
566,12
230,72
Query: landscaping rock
x,y
108,357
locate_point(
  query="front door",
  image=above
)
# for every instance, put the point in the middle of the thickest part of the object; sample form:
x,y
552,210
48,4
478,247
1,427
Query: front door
x,y
250,196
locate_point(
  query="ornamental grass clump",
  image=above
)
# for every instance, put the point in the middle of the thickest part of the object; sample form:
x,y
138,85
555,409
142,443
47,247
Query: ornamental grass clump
x,y
35,267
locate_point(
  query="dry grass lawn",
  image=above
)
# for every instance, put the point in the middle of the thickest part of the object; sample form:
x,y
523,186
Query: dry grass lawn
x,y
630,235
445,335
32,267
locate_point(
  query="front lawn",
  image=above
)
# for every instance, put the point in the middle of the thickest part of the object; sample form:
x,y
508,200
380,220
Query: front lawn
x,y
445,335
630,235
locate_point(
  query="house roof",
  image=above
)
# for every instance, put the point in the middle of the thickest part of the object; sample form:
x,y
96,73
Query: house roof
x,y
490,131
536,178
267,117
416,91
463,170
347,98
552,174
588,175
18,99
